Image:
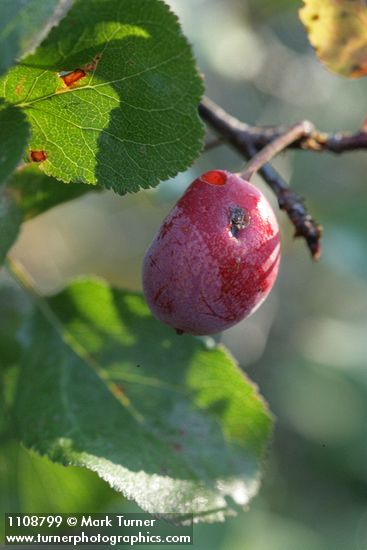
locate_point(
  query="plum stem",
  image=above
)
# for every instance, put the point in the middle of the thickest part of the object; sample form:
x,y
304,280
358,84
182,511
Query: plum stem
x,y
295,133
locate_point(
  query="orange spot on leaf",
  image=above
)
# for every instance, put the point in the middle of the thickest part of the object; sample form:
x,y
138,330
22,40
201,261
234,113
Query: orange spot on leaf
x,y
70,78
93,64
119,389
19,88
73,77
38,156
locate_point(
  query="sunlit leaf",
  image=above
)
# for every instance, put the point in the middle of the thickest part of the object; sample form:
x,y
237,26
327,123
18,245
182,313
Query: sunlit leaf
x,y
168,421
111,96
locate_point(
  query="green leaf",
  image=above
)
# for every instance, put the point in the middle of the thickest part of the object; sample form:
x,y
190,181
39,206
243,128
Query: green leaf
x,y
131,120
4,421
34,192
23,24
10,220
29,482
14,134
13,306
338,32
170,421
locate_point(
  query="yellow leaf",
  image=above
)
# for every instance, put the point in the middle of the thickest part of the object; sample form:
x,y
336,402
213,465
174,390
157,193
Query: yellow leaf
x,y
337,29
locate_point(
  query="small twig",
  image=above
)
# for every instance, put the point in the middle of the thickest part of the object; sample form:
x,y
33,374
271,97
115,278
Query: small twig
x,y
275,147
235,133
305,226
260,136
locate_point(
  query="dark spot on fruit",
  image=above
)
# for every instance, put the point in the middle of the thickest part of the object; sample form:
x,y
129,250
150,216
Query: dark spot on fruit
x,y
38,156
315,17
238,219
214,177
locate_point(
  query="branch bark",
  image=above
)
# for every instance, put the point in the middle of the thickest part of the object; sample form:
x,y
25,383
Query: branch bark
x,y
260,136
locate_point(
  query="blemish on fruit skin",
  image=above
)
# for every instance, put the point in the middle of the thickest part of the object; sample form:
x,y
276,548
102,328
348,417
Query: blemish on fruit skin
x,y
160,292
214,177
38,156
238,219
